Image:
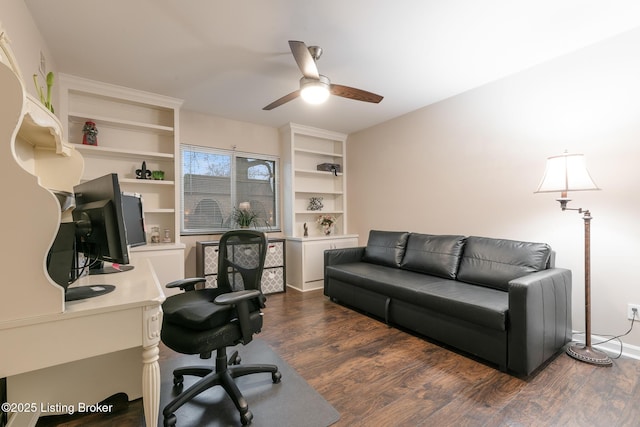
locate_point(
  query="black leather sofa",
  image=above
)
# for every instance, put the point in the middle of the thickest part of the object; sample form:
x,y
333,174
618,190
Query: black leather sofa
x,y
500,300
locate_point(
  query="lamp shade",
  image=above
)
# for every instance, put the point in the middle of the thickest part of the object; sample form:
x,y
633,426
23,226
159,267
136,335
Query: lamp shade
x,y
566,172
314,91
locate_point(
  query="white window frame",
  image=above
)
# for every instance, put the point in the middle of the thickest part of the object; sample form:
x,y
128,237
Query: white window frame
x,y
228,224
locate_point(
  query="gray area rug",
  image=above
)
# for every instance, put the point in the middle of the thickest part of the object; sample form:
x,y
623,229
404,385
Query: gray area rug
x,y
292,402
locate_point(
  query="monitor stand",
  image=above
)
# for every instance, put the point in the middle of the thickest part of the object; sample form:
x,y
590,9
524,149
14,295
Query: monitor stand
x,y
75,293
100,268
110,269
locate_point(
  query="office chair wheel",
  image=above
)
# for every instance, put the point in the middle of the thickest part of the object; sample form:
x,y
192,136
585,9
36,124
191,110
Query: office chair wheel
x,y
170,421
246,418
276,377
178,380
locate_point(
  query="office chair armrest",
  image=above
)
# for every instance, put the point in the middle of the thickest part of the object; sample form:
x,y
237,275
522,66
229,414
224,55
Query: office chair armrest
x,y
186,284
240,299
237,296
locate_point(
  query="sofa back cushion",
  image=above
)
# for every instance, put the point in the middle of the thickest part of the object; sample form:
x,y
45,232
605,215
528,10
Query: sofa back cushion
x,y
385,247
433,255
494,262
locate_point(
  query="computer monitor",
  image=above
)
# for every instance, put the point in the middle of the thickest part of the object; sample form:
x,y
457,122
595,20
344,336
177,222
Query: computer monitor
x,y
133,212
100,234
61,260
100,223
106,223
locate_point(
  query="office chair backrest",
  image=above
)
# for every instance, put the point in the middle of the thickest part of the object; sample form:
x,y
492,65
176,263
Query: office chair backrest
x,y
241,256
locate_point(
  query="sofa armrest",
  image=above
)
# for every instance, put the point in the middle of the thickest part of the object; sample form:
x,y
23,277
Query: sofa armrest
x,y
539,318
343,255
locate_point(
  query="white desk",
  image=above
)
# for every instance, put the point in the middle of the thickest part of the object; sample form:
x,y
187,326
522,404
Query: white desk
x,y
90,351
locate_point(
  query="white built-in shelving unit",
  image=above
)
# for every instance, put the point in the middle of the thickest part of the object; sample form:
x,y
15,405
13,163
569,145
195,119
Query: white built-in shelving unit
x,y
133,127
304,148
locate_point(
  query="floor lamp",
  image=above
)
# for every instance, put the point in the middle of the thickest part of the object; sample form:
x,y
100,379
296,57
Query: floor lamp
x,y
564,173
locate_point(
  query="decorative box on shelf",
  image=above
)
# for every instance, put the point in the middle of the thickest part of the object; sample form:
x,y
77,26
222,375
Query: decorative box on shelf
x,y
273,277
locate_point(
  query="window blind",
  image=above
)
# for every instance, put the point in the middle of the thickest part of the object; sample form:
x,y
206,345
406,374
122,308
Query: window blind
x,y
215,182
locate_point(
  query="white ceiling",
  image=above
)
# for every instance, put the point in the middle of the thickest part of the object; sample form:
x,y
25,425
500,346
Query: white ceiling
x,y
230,58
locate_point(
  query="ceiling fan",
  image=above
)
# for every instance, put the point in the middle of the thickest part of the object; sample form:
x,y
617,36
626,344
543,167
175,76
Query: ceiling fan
x,y
315,87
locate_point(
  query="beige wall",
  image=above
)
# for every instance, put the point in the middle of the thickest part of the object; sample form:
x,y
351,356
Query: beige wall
x,y
210,131
26,42
470,164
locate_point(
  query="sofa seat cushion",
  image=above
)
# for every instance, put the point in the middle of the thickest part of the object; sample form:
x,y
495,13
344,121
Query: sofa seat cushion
x,y
435,255
476,304
495,262
385,247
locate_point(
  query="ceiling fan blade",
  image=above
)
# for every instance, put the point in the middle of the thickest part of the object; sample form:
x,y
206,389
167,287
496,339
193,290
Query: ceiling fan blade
x,y
303,58
283,100
353,93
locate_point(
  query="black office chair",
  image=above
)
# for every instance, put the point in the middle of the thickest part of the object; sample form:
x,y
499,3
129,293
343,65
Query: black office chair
x,y
199,321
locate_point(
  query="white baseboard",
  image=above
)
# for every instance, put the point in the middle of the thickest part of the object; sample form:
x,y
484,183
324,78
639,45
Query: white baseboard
x,y
305,289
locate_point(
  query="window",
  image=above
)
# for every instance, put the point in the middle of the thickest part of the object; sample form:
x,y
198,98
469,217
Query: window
x,y
217,182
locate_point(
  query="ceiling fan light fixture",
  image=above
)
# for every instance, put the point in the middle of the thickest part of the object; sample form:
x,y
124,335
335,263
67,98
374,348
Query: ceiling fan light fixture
x,y
314,87
315,91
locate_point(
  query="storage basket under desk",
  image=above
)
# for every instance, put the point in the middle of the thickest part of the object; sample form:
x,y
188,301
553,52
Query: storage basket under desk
x,y
273,276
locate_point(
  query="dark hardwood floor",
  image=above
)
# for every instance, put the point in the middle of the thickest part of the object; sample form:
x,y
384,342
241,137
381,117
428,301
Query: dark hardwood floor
x,y
380,376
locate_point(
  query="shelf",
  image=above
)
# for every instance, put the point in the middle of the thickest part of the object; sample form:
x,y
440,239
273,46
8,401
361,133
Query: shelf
x,y
329,237
135,181
159,210
316,172
157,247
335,212
41,128
147,181
120,152
318,152
336,192
128,124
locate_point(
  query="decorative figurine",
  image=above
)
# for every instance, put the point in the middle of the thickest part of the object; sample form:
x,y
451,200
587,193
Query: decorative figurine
x,y
90,134
306,230
143,172
315,204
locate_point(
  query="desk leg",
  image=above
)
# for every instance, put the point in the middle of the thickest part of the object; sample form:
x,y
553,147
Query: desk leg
x,y
150,367
151,384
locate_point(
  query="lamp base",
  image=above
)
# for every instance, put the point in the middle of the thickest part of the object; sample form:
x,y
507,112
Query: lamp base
x,y
589,355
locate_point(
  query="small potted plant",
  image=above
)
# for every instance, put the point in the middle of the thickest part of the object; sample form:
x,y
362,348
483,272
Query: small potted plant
x,y
244,218
326,222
